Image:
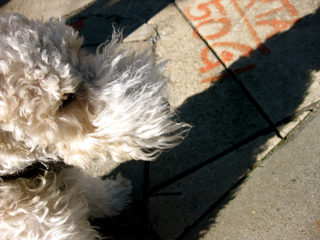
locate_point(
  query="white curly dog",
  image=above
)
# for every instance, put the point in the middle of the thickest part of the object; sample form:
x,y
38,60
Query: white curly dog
x,y
59,103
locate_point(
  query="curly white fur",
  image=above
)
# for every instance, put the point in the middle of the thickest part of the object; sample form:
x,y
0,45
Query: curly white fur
x,y
57,205
118,110
57,102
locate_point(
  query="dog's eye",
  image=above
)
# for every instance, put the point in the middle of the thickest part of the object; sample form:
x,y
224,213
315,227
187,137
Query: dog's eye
x,y
66,99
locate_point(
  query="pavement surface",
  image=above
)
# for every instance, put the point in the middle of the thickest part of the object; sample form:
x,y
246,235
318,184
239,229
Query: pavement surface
x,y
246,75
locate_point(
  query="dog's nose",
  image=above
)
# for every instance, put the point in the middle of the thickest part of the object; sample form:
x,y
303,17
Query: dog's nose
x,y
66,99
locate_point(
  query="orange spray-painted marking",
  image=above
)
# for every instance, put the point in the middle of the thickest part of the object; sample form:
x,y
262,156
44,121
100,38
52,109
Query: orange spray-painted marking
x,y
263,49
209,65
207,12
291,9
226,28
225,55
226,75
270,12
278,25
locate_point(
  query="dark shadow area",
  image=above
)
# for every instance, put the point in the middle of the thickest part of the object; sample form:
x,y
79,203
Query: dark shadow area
x,y
279,83
228,133
3,2
96,22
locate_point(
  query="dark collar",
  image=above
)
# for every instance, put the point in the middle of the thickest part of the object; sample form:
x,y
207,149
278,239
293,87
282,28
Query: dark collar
x,y
36,169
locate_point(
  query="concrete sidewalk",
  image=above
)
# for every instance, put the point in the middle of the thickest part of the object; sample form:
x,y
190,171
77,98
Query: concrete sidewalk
x,y
246,75
278,200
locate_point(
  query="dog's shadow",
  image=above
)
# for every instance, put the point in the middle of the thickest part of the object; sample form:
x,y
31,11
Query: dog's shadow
x,y
190,184
279,83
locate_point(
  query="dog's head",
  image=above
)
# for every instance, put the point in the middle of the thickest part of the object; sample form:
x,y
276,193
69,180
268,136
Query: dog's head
x,y
58,102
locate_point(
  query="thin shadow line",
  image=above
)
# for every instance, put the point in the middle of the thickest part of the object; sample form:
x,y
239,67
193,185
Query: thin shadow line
x,y
210,160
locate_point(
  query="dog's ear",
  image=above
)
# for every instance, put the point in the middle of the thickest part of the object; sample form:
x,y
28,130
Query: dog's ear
x,y
135,119
130,114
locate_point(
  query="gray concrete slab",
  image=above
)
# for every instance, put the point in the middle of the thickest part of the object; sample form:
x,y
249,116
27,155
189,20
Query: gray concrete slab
x,y
221,114
143,33
180,204
234,29
279,199
286,80
45,9
288,126
177,44
261,42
